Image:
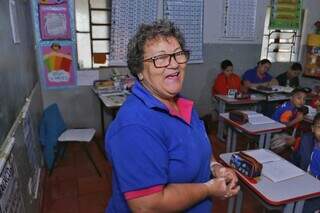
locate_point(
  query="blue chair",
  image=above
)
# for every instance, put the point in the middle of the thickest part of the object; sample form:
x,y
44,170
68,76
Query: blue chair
x,y
54,137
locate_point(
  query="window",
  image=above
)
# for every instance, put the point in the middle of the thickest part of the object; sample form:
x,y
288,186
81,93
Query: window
x,y
93,26
280,45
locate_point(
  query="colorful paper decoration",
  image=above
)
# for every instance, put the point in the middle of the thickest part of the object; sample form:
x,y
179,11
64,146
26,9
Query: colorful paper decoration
x,y
54,21
285,14
58,69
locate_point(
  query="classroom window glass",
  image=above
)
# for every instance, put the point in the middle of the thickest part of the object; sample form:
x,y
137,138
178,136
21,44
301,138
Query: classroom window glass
x,y
280,45
93,26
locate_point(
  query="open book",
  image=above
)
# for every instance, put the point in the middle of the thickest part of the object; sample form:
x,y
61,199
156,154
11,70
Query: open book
x,y
281,170
274,167
257,118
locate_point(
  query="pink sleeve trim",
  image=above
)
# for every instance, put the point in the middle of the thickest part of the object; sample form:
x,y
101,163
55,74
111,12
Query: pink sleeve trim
x,y
143,192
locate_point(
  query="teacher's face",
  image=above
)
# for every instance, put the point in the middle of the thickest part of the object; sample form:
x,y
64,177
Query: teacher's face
x,y
166,82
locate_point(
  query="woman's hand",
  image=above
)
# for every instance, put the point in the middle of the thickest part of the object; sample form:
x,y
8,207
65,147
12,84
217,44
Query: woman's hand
x,y
218,187
229,177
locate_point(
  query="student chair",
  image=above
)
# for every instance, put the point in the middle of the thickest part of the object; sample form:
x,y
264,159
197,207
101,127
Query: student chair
x,y
54,136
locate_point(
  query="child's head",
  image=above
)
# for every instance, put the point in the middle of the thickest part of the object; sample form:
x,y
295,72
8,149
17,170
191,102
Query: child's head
x,y
299,96
226,67
263,66
294,70
316,126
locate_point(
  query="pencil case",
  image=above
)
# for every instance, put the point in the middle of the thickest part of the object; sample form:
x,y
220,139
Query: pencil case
x,y
246,164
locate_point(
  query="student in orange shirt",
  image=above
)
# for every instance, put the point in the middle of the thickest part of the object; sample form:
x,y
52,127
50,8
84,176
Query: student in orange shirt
x,y
226,80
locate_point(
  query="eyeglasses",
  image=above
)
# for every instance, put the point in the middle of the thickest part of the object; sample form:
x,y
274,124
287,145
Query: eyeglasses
x,y
161,61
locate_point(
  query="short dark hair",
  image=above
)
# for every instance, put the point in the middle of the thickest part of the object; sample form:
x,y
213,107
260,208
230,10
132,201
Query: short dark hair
x,y
225,63
147,32
296,66
316,119
264,61
301,89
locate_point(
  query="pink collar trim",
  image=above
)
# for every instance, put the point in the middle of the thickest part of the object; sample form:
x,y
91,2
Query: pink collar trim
x,y
185,109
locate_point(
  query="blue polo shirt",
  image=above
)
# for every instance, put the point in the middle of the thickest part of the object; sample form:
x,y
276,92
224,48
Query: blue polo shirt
x,y
150,147
252,76
285,112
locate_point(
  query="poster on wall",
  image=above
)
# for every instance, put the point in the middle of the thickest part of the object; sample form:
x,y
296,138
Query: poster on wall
x,y
58,69
10,192
54,20
285,14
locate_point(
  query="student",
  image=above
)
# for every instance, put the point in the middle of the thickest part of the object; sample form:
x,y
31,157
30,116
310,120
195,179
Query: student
x,y
307,158
289,113
259,76
226,80
290,78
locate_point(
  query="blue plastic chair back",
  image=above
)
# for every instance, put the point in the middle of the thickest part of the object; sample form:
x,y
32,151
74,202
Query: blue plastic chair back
x,y
52,126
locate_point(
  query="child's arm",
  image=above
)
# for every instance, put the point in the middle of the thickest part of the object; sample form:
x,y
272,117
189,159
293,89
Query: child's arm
x,y
296,120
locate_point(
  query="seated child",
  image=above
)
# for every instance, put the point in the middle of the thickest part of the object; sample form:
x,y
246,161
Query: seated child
x,y
315,102
307,157
291,114
226,80
290,77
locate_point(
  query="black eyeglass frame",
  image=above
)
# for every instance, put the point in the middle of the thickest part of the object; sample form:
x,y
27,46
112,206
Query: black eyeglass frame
x,y
172,55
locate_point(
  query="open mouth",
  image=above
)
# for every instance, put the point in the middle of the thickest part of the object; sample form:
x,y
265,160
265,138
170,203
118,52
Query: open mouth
x,y
173,75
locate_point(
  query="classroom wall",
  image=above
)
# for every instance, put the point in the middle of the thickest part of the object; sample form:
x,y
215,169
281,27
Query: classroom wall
x,y
80,106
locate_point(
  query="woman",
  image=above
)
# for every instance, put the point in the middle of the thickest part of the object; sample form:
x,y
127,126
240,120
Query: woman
x,y
259,76
158,147
226,80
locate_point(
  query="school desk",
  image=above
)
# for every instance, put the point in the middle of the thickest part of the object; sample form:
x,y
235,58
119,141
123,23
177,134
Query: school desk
x,y
263,131
288,195
224,101
110,103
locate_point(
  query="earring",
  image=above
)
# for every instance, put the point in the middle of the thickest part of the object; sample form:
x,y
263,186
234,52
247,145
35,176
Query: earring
x,y
140,76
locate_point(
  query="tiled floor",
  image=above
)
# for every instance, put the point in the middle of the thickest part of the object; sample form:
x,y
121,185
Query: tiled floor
x,y
75,187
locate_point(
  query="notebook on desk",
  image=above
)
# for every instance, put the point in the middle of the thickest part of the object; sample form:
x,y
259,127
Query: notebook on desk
x,y
281,170
258,118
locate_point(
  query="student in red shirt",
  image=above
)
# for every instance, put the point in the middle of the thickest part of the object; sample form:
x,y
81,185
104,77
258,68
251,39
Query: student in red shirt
x,y
226,80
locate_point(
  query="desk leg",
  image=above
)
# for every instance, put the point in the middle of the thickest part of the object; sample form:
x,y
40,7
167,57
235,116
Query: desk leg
x,y
221,109
295,207
267,141
261,141
234,140
238,200
102,118
231,204
229,139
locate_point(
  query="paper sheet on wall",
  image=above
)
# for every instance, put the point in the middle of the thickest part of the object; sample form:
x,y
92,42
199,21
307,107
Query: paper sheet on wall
x,y
239,19
10,192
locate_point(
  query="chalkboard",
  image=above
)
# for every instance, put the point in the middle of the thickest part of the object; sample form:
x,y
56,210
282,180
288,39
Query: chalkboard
x,y
17,64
